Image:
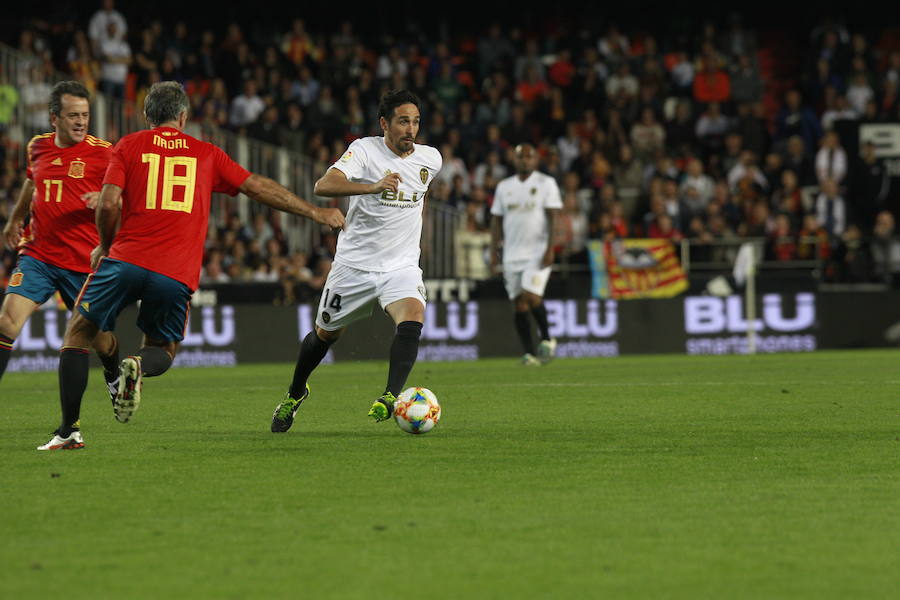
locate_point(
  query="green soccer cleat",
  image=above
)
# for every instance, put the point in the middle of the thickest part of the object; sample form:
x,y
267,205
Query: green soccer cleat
x,y
283,417
383,408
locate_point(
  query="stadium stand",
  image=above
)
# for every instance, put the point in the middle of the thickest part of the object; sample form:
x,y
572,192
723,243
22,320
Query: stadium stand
x,y
718,126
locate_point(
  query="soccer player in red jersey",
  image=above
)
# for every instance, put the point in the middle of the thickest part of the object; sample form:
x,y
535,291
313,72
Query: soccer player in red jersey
x,y
159,182
64,175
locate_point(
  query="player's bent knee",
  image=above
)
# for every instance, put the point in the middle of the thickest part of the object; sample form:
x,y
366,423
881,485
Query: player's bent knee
x,y
80,332
329,337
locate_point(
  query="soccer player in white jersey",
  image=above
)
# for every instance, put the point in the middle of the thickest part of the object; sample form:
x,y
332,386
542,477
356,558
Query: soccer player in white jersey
x,y
377,257
525,207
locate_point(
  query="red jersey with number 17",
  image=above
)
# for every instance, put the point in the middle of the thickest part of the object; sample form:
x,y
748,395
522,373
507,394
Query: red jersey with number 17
x,y
62,229
167,178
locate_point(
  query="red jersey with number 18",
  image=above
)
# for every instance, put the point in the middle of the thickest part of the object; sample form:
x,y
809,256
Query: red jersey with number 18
x,y
167,178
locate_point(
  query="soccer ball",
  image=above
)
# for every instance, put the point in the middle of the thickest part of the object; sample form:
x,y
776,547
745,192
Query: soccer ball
x,y
417,410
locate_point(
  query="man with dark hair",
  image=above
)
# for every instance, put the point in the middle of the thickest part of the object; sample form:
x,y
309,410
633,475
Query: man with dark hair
x,y
159,182
525,206
377,257
63,178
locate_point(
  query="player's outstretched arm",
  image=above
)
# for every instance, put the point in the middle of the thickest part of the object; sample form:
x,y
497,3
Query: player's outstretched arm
x,y
12,231
334,184
271,193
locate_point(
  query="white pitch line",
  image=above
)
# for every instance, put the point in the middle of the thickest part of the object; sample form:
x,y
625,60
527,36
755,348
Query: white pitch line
x,y
688,383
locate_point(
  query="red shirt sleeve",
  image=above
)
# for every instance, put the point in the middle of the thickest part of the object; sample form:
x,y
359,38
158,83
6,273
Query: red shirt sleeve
x,y
115,172
29,157
230,176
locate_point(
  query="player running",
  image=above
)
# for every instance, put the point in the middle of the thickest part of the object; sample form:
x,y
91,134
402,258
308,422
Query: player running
x,y
63,178
160,182
377,257
525,206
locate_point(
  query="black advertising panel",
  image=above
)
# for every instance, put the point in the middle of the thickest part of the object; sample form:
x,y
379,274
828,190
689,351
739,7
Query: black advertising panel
x,y
227,335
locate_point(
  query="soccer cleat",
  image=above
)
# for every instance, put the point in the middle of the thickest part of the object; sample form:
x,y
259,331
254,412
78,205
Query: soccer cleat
x,y
546,350
383,408
73,442
284,414
529,360
113,387
128,396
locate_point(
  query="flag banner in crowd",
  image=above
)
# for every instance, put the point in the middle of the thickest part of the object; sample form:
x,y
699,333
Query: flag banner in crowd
x,y
635,268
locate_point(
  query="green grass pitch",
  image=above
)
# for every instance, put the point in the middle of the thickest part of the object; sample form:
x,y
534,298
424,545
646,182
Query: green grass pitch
x,y
649,477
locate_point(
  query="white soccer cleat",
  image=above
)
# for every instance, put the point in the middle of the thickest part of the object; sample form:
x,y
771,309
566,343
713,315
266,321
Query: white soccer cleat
x,y
113,388
530,360
546,350
73,442
128,397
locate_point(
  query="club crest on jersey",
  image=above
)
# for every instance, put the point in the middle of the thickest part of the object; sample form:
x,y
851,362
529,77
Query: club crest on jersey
x,y
533,191
423,175
76,169
16,279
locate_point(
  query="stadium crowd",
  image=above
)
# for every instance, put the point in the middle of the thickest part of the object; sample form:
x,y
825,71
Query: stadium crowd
x,y
710,135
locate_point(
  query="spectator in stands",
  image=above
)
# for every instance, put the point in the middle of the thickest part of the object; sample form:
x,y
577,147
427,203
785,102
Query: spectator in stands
x,y
870,185
782,244
696,189
711,128
796,119
831,160
859,92
886,249
747,169
491,168
752,125
246,107
33,97
831,209
840,111
711,84
647,136
797,160
628,173
622,85
115,58
852,257
98,27
788,199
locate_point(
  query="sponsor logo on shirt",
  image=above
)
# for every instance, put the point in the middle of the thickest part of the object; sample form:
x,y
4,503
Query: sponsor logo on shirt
x,y
57,162
76,168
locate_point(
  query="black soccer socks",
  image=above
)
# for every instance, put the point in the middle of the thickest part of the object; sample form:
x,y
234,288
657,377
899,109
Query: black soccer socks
x,y
312,351
6,345
540,317
110,361
404,350
523,328
154,360
73,378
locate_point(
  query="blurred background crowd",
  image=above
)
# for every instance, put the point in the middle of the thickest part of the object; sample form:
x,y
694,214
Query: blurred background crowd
x,y
706,130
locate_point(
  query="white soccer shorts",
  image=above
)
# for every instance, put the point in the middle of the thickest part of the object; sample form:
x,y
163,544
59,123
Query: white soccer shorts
x,y
525,276
350,294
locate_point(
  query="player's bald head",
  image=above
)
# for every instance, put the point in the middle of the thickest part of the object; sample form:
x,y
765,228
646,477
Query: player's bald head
x,y
525,159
